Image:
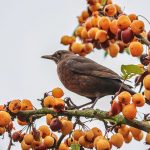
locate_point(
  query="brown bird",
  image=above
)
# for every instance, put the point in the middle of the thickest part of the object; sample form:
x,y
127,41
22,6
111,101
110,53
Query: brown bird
x,y
85,77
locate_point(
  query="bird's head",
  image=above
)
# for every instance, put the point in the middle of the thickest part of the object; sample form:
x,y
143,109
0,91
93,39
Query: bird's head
x,y
58,55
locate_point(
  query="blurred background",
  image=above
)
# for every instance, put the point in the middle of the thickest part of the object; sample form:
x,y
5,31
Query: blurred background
x,y
32,28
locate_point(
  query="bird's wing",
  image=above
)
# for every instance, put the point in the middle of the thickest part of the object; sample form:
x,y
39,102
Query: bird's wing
x,y
87,66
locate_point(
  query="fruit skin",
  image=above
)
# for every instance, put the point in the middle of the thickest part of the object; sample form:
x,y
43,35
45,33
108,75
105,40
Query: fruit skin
x,y
24,146
89,136
129,111
104,23
2,130
124,97
48,101
117,140
57,92
135,132
101,36
146,82
55,124
113,26
26,104
139,137
136,49
128,138
44,130
77,134
137,26
49,141
132,17
28,139
124,130
123,22
148,35
63,146
147,138
59,105
110,10
96,131
116,108
138,99
5,118
67,127
14,106
147,94
102,144
49,118
127,35
92,32
76,47
113,49
66,40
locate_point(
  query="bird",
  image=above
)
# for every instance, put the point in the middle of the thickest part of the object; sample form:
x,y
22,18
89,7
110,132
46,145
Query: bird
x,y
85,77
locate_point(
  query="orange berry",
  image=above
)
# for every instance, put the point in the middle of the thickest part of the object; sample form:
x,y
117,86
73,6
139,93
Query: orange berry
x,y
123,22
116,108
95,20
132,17
24,146
113,26
63,146
88,47
54,136
80,19
88,24
85,14
84,34
129,111
5,118
44,130
104,23
49,118
138,99
89,136
124,97
36,144
82,141
76,47
66,40
77,134
110,10
57,92
67,127
49,141
28,139
128,138
147,94
101,36
136,49
124,130
70,141
94,7
113,49
98,138
137,26
14,106
146,82
118,8
92,32
79,30
49,101
139,137
147,138
148,68
103,144
135,132
26,104
59,105
96,131
2,107
22,123
2,130
117,140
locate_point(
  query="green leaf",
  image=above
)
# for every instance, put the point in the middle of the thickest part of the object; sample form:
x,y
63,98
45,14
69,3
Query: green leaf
x,y
105,54
131,69
75,147
104,2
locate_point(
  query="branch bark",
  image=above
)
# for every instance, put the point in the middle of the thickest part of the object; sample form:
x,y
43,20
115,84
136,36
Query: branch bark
x,y
90,113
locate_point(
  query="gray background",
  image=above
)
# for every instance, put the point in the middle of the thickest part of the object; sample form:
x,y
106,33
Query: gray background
x,y
31,28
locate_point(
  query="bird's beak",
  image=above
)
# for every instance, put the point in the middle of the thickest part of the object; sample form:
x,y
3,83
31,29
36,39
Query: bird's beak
x,y
48,57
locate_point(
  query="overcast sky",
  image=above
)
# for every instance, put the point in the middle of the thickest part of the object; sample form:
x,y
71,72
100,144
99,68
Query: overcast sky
x,y
31,28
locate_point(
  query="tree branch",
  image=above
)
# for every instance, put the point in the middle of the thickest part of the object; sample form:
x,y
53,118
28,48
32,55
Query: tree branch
x,y
90,113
